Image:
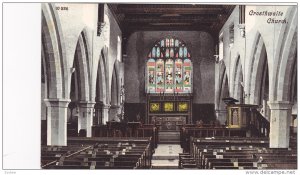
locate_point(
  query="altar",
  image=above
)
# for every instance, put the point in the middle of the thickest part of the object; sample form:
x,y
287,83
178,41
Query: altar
x,y
169,111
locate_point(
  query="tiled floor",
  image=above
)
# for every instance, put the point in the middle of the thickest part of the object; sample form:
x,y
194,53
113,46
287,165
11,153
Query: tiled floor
x,y
166,156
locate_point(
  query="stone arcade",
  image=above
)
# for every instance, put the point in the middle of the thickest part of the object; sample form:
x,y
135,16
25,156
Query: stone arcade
x,y
167,86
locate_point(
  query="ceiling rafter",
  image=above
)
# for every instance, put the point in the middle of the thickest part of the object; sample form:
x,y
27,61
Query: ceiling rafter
x,y
171,17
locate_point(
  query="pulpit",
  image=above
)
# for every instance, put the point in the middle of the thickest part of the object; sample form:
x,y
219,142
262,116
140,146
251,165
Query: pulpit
x,y
240,115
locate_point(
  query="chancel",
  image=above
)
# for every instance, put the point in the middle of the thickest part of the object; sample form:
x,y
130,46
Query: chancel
x,y
168,86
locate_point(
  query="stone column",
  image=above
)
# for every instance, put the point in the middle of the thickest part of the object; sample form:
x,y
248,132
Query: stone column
x,y
280,120
105,114
85,117
57,121
114,111
221,116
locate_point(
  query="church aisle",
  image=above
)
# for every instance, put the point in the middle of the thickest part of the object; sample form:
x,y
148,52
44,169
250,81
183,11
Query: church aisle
x,y
166,156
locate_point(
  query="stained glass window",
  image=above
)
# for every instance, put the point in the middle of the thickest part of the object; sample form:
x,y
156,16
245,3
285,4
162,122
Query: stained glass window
x,y
160,85
187,73
158,52
171,52
171,42
162,43
167,53
180,52
151,75
169,67
176,43
167,42
178,76
185,52
169,76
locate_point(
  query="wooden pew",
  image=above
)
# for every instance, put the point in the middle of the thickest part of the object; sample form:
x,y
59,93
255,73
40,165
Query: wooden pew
x,y
240,153
103,153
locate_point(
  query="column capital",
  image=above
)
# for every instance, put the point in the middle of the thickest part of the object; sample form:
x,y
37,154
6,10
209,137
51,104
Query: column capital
x,y
106,106
86,104
280,105
57,102
115,106
101,105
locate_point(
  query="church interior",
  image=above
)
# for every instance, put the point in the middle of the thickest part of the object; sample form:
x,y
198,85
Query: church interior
x,y
168,86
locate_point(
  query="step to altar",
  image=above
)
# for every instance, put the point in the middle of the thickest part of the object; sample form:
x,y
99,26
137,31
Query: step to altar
x,y
170,137
166,156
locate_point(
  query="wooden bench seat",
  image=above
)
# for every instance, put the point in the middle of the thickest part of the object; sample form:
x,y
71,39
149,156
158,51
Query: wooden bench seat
x,y
277,165
105,153
68,167
240,153
233,167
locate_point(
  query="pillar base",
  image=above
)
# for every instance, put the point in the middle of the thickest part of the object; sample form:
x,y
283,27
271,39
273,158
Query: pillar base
x,y
85,118
280,123
105,113
57,121
114,111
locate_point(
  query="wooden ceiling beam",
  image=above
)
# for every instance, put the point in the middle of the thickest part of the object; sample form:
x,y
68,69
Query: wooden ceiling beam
x,y
166,27
170,19
170,10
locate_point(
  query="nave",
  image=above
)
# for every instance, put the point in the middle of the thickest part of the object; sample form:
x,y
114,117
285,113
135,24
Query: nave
x,y
168,86
141,151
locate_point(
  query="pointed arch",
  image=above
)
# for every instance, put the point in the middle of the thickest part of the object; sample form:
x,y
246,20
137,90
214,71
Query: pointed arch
x,y
100,82
284,57
53,51
105,73
45,73
258,63
82,68
115,85
238,80
293,90
287,63
224,89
